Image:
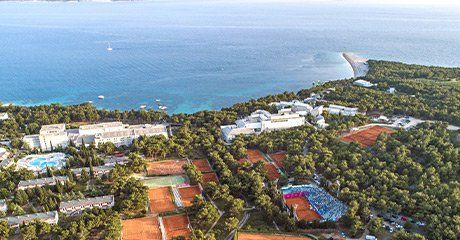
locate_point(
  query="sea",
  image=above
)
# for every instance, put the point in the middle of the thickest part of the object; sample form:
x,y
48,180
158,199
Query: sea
x,y
204,55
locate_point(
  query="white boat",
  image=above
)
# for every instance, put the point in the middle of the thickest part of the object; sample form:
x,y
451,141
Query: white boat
x,y
158,100
100,97
109,48
143,106
90,102
163,107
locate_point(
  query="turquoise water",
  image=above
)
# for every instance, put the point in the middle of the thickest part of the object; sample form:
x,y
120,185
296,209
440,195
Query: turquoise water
x,y
203,55
42,162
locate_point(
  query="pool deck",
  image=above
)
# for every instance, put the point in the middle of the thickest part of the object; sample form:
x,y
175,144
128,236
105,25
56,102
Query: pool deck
x,y
39,162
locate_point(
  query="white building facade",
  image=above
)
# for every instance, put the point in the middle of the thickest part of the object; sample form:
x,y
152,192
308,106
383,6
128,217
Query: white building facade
x,y
342,110
77,206
3,205
4,116
363,83
260,121
41,182
56,135
48,217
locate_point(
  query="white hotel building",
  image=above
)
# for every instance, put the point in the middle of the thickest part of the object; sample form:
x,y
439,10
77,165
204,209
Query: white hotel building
x,y
260,121
342,110
52,136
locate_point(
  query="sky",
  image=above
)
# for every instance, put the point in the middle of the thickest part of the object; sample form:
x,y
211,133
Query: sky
x,y
396,2
407,2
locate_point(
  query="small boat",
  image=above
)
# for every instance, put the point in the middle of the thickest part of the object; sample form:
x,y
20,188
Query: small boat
x,y
90,102
143,106
163,107
109,48
158,100
100,97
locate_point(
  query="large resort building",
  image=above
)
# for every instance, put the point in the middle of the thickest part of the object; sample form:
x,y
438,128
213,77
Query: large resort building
x,y
260,121
52,136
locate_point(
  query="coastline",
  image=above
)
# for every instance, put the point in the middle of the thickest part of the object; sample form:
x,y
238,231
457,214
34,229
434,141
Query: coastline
x,y
358,64
42,103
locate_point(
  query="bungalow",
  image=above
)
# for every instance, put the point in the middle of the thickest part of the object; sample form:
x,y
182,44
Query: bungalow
x,y
363,83
4,116
113,160
75,207
3,206
321,122
6,163
98,171
48,217
391,90
40,182
3,153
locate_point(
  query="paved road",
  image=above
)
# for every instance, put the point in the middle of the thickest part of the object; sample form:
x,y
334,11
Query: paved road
x,y
240,225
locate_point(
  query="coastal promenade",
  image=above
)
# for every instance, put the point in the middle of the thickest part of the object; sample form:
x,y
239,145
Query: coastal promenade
x,y
359,64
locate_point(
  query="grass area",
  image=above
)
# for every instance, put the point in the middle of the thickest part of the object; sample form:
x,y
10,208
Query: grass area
x,y
449,82
155,182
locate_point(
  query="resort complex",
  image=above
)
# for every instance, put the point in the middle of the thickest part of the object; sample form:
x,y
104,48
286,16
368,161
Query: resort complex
x,y
53,136
349,160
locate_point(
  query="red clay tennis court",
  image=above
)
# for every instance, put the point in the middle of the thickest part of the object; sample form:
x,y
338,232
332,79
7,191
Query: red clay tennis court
x,y
268,236
278,158
210,177
161,200
167,167
141,228
303,210
252,156
272,172
202,165
255,156
366,137
176,225
187,194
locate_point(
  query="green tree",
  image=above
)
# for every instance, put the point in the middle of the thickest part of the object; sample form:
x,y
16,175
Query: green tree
x,y
5,230
374,226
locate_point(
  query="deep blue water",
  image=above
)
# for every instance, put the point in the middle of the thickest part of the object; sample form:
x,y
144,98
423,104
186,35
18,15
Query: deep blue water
x,y
203,55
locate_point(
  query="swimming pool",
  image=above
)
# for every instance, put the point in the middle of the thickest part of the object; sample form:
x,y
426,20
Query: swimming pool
x,y
39,162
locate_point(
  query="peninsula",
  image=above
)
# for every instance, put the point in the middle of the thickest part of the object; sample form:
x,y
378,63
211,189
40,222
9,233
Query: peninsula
x,y
359,64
